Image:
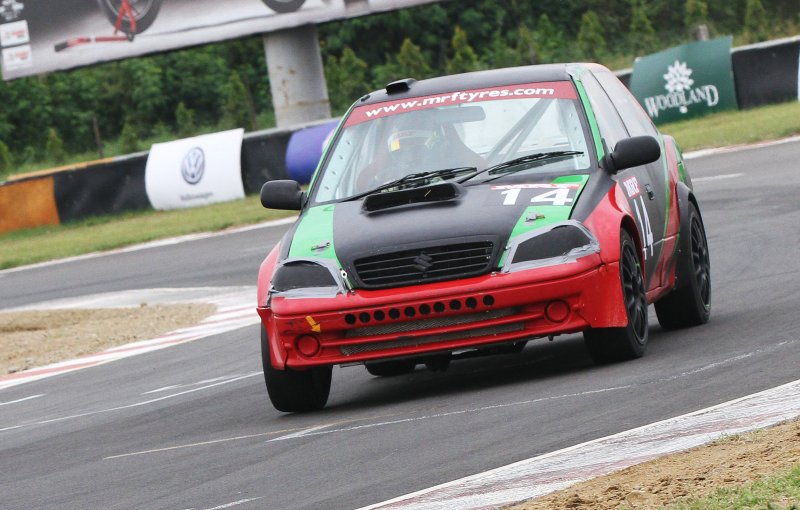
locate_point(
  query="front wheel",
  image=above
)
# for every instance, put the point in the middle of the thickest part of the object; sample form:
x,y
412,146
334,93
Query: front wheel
x,y
690,305
295,391
609,345
144,12
284,6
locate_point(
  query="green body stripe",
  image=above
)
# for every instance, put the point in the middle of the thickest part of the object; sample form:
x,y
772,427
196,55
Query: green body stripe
x,y
667,191
314,231
591,118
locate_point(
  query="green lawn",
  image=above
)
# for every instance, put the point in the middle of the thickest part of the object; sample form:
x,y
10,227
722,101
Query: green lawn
x,y
780,491
47,243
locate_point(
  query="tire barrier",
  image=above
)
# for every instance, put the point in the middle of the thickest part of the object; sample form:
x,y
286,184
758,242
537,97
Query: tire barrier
x,y
767,73
305,149
263,158
27,203
106,188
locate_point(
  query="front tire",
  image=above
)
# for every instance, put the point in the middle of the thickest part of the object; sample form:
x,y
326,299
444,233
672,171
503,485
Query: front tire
x,y
295,391
690,305
608,345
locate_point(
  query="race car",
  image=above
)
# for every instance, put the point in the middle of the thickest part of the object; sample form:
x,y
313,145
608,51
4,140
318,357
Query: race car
x,y
469,214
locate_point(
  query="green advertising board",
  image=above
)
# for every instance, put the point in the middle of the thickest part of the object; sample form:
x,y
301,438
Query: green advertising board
x,y
685,81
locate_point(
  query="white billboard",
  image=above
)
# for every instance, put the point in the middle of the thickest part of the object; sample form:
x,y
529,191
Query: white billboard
x,y
69,33
195,171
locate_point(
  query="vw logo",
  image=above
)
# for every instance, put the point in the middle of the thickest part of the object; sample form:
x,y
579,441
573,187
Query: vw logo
x,y
193,165
423,262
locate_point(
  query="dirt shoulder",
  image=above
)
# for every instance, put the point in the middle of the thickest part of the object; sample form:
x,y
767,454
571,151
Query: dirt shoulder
x,y
31,339
727,463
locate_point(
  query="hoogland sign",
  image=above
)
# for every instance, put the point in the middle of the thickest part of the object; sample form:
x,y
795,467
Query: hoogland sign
x,y
685,81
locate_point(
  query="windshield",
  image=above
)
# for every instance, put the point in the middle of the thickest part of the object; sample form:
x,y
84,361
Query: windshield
x,y
479,129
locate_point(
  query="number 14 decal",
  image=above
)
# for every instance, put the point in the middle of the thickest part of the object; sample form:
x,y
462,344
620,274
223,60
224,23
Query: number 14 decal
x,y
647,230
557,196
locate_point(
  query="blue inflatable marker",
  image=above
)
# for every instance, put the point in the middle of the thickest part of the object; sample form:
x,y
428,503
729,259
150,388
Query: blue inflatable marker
x,y
304,150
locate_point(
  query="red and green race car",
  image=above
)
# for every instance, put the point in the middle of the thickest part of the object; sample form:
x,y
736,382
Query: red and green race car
x,y
469,214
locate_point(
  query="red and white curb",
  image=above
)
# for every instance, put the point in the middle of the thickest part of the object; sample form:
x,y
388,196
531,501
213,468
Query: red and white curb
x,y
235,309
553,471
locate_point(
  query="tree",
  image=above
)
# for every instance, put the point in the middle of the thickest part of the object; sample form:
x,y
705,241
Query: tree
x,y
184,120
147,98
54,147
550,40
756,26
236,108
591,42
464,58
129,138
6,160
409,62
526,49
696,13
641,33
346,78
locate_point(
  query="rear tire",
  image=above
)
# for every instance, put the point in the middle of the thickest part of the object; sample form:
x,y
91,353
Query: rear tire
x,y
391,368
295,391
608,345
690,305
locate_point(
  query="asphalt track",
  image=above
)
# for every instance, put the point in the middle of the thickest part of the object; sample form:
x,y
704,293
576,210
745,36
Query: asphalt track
x,y
191,426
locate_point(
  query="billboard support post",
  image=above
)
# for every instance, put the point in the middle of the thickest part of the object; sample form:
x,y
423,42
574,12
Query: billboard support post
x,y
296,76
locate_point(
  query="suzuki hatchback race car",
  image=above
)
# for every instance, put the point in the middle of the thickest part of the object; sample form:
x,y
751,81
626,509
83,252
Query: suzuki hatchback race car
x,y
472,213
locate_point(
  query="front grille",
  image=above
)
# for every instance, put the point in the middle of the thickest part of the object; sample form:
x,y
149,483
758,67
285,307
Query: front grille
x,y
425,265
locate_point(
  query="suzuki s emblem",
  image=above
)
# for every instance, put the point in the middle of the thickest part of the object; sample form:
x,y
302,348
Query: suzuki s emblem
x,y
423,262
193,165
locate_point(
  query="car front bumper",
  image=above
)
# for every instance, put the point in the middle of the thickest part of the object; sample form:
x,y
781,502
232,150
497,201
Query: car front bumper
x,y
449,316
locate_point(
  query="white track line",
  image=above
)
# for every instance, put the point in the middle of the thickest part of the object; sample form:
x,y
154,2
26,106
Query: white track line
x,y
541,475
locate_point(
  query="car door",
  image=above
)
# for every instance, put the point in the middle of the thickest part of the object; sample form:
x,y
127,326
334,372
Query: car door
x,y
644,189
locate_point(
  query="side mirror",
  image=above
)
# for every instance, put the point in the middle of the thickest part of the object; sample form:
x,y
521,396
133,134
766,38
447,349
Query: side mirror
x,y
282,194
631,152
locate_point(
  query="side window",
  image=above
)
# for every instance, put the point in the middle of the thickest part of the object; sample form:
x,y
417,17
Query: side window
x,y
634,117
608,120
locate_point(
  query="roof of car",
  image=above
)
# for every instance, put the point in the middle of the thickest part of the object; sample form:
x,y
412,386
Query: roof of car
x,y
473,80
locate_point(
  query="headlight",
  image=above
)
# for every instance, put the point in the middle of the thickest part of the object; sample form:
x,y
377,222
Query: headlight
x,y
307,278
555,244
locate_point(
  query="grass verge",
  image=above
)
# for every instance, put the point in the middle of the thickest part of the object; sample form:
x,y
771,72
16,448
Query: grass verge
x,y
736,127
96,234
109,232
779,491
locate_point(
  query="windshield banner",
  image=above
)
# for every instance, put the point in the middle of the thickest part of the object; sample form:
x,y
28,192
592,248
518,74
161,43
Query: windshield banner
x,y
554,90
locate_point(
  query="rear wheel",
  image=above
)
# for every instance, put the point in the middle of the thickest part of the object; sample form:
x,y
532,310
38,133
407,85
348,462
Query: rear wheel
x,y
690,305
391,368
609,345
295,391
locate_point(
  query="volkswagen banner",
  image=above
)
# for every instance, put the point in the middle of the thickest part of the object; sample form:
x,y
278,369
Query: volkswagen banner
x,y
195,171
685,81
